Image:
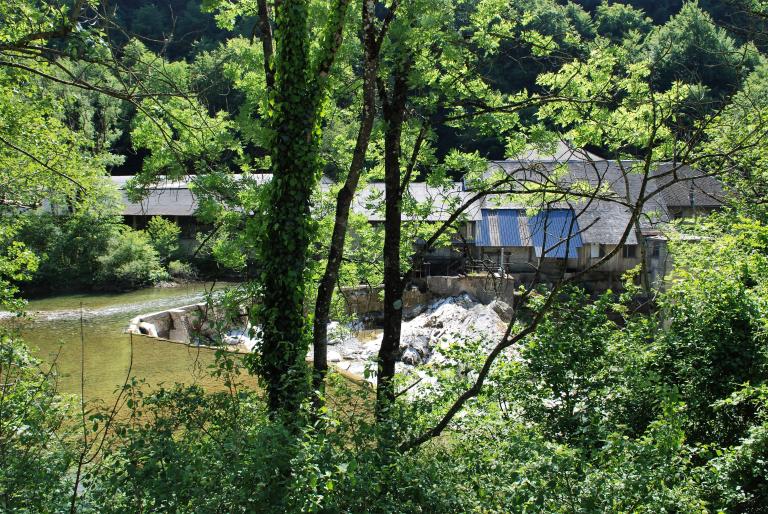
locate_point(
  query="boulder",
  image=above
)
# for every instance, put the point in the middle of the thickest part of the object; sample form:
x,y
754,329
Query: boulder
x,y
503,309
456,319
411,357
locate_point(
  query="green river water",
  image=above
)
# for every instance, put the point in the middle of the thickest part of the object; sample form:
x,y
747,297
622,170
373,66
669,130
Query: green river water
x,y
106,356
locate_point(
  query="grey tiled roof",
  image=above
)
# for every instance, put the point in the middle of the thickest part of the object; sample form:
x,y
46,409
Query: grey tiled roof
x,y
166,198
443,200
686,187
603,220
667,188
564,152
162,202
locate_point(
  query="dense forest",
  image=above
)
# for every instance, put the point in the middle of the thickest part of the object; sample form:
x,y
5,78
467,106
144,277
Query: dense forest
x,y
179,31
648,397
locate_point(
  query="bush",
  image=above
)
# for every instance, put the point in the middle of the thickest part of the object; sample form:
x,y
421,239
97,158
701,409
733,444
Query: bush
x,y
181,270
164,237
739,473
715,342
68,248
37,448
130,262
86,251
220,452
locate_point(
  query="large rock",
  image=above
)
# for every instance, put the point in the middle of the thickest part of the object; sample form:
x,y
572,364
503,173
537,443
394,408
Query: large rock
x,y
333,356
453,320
411,356
503,309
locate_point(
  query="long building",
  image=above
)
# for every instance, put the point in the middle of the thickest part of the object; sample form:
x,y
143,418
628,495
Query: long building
x,y
507,233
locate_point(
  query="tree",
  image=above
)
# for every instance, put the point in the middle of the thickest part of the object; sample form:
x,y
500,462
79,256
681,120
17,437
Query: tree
x,y
371,42
411,105
617,21
608,101
690,48
164,237
296,81
36,433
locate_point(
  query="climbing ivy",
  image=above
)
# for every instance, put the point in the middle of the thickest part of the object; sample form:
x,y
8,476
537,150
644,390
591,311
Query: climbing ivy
x,y
294,114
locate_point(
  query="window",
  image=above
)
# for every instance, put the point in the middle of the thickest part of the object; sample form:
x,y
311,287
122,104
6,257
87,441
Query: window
x,y
629,251
655,250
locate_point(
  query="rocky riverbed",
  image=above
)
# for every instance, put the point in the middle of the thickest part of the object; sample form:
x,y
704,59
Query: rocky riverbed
x,y
425,337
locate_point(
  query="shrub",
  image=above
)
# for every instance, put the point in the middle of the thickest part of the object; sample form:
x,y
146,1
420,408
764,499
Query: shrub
x,y
68,247
739,473
181,270
220,452
130,262
715,314
37,448
164,237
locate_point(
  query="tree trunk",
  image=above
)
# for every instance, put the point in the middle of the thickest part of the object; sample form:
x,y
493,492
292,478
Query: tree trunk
x,y
343,204
297,95
284,252
394,114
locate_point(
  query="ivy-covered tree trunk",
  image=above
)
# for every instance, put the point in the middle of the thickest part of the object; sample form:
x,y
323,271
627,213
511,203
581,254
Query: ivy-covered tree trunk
x,y
394,114
284,252
296,98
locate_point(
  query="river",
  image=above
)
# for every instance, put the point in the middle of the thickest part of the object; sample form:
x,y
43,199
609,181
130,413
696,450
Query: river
x,y
106,355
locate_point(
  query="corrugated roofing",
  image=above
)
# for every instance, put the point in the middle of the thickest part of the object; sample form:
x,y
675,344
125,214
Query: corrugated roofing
x,y
555,233
499,227
547,231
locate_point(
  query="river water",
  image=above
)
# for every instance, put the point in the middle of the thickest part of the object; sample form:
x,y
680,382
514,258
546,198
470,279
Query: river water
x,y
105,356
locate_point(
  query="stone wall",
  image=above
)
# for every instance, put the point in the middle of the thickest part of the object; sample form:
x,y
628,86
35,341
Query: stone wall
x,y
367,302
483,288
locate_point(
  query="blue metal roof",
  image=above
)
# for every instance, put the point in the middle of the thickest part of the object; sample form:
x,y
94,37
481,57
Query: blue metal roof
x,y
499,227
549,230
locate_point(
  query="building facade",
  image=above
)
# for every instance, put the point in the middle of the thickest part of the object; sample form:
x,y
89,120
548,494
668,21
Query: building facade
x,y
504,234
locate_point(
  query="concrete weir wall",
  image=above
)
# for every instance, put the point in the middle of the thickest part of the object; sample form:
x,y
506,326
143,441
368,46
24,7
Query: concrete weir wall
x,y
368,301
182,323
174,324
